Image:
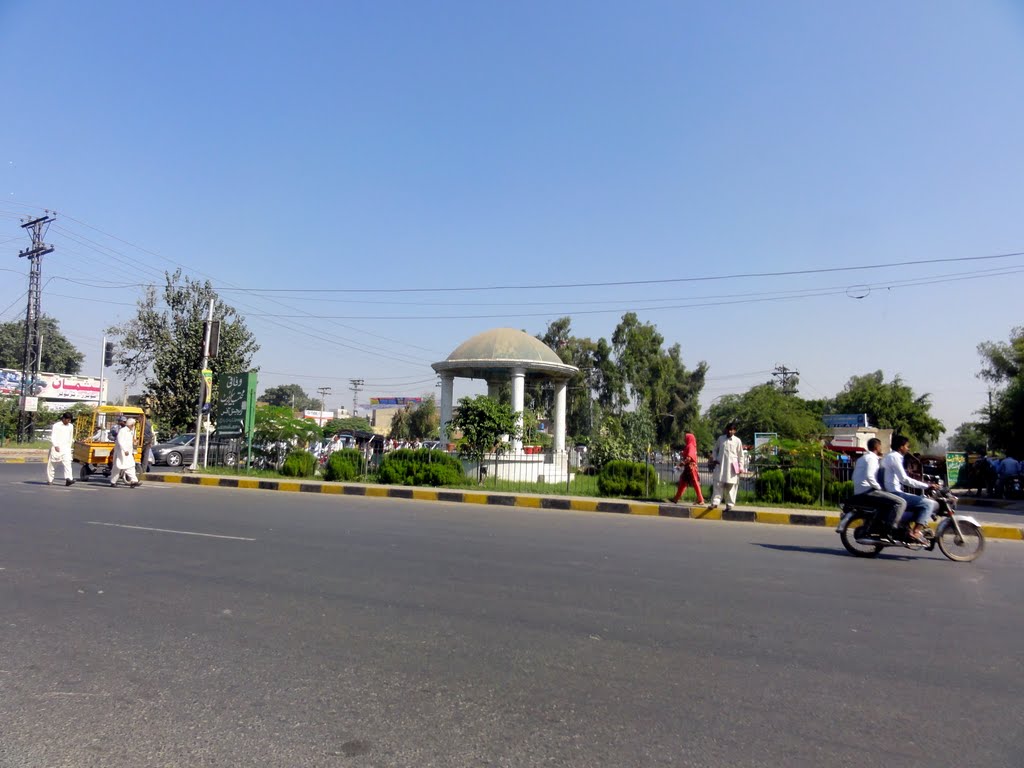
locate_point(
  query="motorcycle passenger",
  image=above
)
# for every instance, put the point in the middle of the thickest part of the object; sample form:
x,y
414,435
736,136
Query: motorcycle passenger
x,y
867,491
895,477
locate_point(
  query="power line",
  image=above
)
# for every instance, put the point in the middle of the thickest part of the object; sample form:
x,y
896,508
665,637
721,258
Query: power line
x,y
743,299
658,281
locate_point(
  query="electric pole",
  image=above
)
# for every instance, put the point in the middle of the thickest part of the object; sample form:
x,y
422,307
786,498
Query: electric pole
x,y
33,340
323,392
788,379
356,385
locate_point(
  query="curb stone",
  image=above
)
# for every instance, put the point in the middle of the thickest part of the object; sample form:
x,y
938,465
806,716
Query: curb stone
x,y
530,501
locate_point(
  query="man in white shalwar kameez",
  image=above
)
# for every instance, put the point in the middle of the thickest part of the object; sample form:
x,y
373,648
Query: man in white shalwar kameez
x,y
62,436
728,465
124,455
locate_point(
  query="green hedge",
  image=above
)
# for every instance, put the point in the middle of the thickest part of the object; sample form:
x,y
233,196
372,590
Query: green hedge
x,y
627,478
343,465
420,466
299,464
771,486
838,491
803,486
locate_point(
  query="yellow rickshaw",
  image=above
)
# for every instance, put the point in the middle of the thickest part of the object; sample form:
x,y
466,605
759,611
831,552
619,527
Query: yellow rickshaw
x,y
94,438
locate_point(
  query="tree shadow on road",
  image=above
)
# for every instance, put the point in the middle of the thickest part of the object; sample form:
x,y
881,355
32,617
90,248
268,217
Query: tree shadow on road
x,y
826,551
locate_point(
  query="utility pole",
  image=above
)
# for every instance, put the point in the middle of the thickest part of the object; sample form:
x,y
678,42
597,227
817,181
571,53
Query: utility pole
x,y
202,390
323,392
33,340
356,385
788,379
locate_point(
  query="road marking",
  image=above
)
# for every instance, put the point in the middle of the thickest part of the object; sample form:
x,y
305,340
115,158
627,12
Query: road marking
x,y
167,530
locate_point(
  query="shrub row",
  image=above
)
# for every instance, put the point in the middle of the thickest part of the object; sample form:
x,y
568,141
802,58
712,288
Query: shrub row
x,y
627,478
419,466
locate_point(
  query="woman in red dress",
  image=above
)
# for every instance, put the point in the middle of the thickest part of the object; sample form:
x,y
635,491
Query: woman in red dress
x,y
688,470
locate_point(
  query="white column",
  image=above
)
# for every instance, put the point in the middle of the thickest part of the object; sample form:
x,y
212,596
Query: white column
x,y
518,397
560,415
447,390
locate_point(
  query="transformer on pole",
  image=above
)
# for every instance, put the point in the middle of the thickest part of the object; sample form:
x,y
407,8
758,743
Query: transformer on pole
x,y
33,351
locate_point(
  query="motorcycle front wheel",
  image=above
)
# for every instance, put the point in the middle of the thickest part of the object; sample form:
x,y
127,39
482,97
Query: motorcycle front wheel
x,y
964,548
855,527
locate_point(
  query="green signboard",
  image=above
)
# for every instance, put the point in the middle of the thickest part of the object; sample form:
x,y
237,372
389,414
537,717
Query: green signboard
x,y
236,404
956,463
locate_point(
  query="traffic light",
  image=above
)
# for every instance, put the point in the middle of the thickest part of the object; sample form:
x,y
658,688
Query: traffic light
x,y
108,354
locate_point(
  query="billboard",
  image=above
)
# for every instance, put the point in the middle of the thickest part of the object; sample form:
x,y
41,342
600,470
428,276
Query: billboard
x,y
847,420
394,402
54,386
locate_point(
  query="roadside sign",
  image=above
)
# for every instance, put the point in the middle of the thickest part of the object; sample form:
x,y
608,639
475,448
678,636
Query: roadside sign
x,y
236,399
956,462
30,404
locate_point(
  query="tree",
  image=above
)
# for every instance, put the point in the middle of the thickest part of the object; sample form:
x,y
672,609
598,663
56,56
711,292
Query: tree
x,y
766,408
164,344
482,422
424,420
1003,368
291,395
350,424
890,405
971,436
277,430
59,354
657,379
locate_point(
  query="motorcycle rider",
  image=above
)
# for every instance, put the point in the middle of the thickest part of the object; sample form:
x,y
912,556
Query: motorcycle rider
x,y
895,477
867,491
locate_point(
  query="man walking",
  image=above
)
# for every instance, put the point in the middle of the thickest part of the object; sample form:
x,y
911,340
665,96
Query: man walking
x,y
124,455
728,466
62,436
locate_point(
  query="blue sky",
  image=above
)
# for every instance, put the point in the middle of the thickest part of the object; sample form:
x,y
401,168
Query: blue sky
x,y
465,144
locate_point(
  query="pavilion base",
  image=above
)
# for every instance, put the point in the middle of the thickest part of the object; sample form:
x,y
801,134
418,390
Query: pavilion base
x,y
536,468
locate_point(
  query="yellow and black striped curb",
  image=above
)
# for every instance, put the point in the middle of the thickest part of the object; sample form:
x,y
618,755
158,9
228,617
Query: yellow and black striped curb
x,y
23,459
774,517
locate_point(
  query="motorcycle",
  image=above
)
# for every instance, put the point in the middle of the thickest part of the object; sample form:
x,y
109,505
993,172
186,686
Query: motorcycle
x,y
958,537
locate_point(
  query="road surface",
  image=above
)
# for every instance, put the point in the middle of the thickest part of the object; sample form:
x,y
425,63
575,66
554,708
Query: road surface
x,y
174,626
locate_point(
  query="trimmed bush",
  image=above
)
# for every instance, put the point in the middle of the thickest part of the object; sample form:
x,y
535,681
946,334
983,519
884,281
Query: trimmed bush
x,y
770,486
838,491
419,466
299,464
804,485
627,478
343,465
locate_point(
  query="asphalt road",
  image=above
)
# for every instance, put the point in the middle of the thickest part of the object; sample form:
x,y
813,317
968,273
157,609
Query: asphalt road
x,y
346,631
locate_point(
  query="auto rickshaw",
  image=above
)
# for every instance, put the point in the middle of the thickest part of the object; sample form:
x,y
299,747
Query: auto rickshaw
x,y
94,441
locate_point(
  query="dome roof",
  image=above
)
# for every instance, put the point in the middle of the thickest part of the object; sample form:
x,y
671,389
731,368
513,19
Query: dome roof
x,y
500,350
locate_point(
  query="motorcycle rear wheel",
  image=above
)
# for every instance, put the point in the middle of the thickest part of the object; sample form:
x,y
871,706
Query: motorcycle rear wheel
x,y
962,550
857,525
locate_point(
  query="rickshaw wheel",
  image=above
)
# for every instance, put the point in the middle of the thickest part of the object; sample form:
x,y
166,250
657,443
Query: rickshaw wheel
x,y
84,472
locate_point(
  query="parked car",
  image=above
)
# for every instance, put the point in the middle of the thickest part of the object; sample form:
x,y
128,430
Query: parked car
x,y
180,450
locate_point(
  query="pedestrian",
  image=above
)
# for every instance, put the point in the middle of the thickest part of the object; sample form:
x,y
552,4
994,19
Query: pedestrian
x,y
688,470
727,462
148,438
62,436
124,455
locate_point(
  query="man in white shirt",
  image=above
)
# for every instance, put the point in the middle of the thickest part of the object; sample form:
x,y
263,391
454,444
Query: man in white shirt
x,y
895,478
728,466
62,436
867,491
